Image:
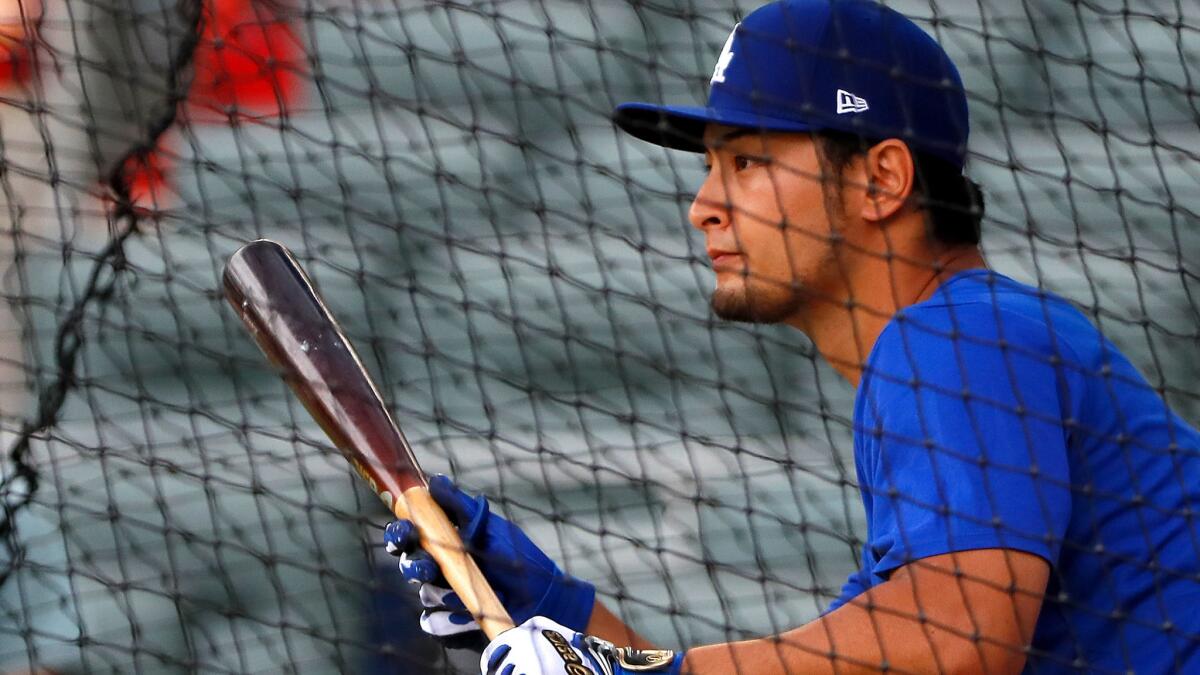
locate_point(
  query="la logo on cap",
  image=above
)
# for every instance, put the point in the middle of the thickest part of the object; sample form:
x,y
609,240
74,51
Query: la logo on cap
x,y
849,103
725,58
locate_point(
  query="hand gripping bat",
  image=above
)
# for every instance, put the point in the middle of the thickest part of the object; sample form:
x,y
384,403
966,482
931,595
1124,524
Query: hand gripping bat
x,y
290,322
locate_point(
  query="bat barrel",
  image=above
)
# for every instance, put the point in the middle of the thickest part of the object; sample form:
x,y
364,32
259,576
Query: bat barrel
x,y
294,328
291,324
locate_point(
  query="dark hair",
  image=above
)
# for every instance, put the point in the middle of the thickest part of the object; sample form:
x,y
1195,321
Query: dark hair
x,y
954,201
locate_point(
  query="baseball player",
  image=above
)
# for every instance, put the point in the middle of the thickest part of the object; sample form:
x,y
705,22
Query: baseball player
x,y
1030,498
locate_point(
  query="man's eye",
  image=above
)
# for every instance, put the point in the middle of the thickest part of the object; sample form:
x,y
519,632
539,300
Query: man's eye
x,y
741,162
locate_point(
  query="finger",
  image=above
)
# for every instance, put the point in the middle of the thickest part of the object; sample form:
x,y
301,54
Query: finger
x,y
418,568
446,624
400,536
497,659
438,597
458,505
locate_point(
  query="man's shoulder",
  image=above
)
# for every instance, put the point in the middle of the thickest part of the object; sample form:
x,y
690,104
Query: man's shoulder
x,y
976,293
983,322
984,309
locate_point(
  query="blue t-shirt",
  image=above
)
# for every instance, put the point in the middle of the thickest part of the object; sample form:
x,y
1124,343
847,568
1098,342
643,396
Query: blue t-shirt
x,y
995,415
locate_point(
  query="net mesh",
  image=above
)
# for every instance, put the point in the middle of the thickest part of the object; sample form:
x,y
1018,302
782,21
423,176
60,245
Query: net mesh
x,y
518,276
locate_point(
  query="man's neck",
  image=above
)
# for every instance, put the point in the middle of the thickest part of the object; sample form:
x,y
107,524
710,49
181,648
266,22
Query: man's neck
x,y
845,329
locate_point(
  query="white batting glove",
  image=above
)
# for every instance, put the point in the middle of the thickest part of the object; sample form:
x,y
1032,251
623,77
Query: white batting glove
x,y
542,647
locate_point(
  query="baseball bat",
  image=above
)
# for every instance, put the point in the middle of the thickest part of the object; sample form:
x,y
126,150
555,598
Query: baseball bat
x,y
294,328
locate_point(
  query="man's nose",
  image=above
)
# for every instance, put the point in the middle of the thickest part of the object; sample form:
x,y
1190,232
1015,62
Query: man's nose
x,y
710,208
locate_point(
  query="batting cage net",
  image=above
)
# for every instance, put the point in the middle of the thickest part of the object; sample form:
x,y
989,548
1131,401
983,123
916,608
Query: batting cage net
x,y
520,278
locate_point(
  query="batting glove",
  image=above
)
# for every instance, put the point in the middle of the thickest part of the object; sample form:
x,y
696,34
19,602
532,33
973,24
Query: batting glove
x,y
542,647
526,581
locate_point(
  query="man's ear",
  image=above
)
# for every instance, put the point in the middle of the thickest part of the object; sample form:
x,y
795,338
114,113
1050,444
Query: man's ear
x,y
890,178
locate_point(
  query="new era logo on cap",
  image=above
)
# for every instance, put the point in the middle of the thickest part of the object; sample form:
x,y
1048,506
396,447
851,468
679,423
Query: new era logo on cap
x,y
849,103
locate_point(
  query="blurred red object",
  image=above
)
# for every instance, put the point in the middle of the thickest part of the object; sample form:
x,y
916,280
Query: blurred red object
x,y
249,62
146,176
18,36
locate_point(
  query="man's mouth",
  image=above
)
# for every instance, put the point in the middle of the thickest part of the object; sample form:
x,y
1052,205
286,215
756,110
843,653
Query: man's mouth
x,y
724,260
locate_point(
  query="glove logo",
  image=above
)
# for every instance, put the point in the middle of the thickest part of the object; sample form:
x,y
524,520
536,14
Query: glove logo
x,y
638,660
572,663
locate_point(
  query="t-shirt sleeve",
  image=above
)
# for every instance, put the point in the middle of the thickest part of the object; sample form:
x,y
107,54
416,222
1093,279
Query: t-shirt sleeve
x,y
966,447
855,585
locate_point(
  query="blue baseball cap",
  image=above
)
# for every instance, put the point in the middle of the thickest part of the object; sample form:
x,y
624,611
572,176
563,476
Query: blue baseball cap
x,y
814,65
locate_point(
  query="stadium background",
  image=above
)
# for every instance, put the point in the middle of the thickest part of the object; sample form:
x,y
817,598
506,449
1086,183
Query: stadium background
x,y
520,278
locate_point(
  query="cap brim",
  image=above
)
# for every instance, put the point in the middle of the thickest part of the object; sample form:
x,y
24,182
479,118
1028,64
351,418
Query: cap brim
x,y
682,127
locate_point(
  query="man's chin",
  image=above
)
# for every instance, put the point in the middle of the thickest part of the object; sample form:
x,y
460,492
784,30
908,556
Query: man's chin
x,y
738,305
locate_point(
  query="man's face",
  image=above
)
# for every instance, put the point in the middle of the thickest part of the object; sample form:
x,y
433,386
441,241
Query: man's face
x,y
769,225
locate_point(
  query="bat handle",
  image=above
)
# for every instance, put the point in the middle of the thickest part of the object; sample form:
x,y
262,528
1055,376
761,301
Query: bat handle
x,y
440,539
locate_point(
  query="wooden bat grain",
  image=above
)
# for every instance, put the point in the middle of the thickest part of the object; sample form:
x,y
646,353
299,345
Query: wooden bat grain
x,y
289,321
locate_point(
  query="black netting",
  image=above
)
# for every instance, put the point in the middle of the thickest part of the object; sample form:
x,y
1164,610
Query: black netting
x,y
519,276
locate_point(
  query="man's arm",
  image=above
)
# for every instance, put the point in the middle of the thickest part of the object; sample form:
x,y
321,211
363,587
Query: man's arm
x,y
605,625
968,612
